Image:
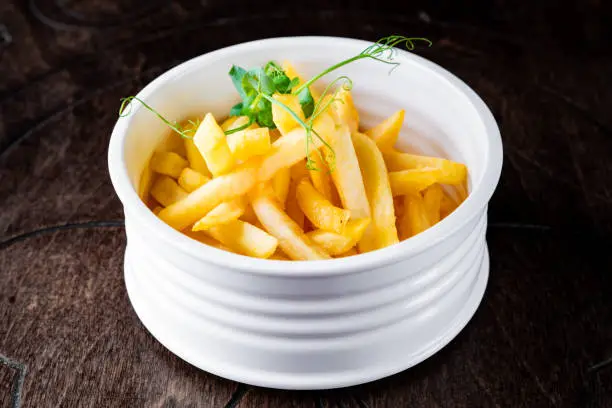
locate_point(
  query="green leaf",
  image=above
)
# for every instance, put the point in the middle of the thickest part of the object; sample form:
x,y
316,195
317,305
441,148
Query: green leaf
x,y
236,109
264,116
237,74
307,102
294,82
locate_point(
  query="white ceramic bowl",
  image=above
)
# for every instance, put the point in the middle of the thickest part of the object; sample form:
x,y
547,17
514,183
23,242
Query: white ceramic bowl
x,y
317,324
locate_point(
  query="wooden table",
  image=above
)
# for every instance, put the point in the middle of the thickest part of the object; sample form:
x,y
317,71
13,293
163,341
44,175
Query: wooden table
x,y
68,335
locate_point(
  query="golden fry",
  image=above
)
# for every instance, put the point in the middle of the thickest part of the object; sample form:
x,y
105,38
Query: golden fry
x,y
415,219
245,238
321,177
432,198
248,143
319,210
336,244
166,191
291,206
234,122
168,163
196,161
382,232
222,214
385,134
291,238
344,110
283,120
212,144
191,180
347,175
220,189
449,172
291,148
413,181
280,184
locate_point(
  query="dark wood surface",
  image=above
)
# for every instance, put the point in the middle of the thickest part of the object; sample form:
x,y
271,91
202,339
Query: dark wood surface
x,y
68,335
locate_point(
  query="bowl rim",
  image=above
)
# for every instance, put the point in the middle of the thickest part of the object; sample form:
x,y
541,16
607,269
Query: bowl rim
x,y
476,201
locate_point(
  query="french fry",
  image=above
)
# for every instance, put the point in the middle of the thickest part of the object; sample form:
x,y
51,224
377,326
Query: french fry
x,y
168,163
385,133
322,213
196,161
299,170
382,232
234,122
449,172
347,175
280,184
146,179
199,202
291,238
290,149
415,219
432,198
167,192
291,206
245,238
413,181
344,110
398,203
157,209
172,142
222,214
291,72
350,252
248,143
190,179
212,144
321,177
447,204
205,238
283,119
279,255
336,244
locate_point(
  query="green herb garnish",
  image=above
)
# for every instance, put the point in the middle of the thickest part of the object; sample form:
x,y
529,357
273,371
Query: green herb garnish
x,y
257,86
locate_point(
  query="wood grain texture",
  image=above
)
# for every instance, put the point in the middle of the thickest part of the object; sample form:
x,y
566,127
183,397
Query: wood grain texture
x,y
544,323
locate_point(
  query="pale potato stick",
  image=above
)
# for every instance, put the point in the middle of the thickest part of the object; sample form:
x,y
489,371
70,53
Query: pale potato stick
x,y
386,132
190,179
220,189
222,214
415,218
322,213
291,205
336,244
413,181
291,238
344,110
248,143
450,172
205,238
196,161
167,192
431,199
245,238
321,177
347,175
280,185
212,144
291,148
168,163
382,231
283,119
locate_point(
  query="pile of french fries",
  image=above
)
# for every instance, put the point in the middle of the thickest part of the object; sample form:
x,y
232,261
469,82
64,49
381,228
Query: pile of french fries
x,y
251,193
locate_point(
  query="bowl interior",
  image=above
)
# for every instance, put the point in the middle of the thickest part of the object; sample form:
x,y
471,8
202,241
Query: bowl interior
x,y
440,119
